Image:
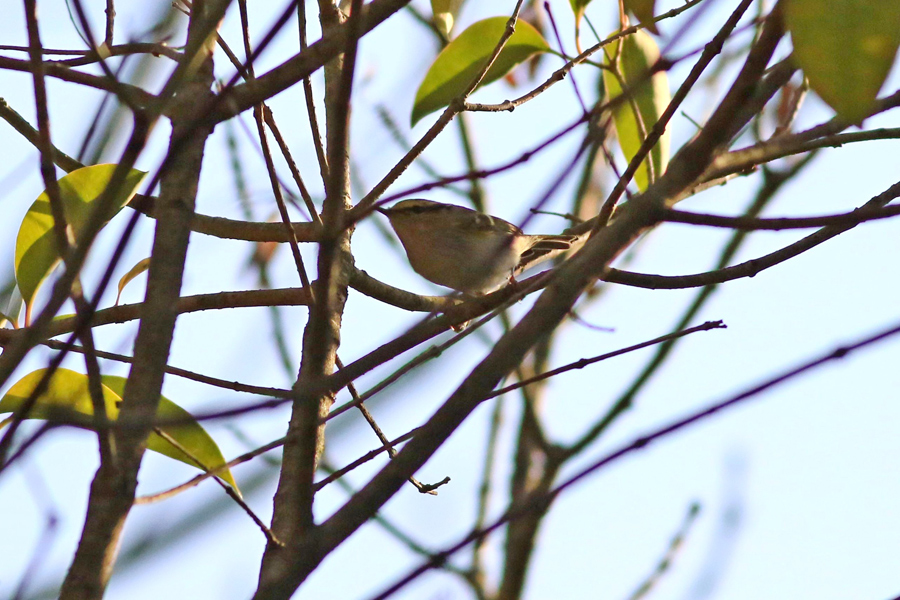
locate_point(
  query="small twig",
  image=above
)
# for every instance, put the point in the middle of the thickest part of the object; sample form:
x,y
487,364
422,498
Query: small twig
x,y
362,460
562,51
110,22
854,217
385,523
665,562
130,312
310,99
234,386
193,482
484,490
292,165
584,362
397,135
232,493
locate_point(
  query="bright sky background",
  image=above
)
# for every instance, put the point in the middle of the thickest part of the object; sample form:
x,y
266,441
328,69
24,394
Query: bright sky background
x,y
798,487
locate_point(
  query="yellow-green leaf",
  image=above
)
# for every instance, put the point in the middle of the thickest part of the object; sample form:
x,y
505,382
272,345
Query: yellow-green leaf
x,y
188,433
578,7
652,96
643,11
444,14
846,49
67,399
462,59
36,249
136,270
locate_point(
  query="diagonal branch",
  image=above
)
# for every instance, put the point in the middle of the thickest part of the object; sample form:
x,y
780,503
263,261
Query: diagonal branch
x,y
245,96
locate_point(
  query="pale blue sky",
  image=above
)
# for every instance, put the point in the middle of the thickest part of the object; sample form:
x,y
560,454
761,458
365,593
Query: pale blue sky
x,y
809,468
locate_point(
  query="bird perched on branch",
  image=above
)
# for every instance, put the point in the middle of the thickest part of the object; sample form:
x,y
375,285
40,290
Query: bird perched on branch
x,y
463,249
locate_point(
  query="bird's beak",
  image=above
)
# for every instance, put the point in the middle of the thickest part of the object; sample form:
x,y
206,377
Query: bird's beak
x,y
382,210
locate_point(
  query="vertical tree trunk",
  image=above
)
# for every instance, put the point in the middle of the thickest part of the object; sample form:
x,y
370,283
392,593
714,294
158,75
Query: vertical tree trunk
x,y
292,522
113,488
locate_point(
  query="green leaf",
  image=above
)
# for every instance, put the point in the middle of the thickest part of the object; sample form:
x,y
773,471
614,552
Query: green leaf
x,y
188,433
444,14
36,249
846,49
578,7
136,270
68,400
462,59
643,11
652,96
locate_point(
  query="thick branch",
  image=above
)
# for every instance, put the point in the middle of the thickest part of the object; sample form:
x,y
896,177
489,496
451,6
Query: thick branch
x,y
113,488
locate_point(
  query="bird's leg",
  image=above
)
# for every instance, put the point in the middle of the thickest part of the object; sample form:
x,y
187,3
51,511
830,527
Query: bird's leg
x,y
512,281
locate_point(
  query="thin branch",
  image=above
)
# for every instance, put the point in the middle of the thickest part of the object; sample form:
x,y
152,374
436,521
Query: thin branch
x,y
334,476
393,129
230,491
110,22
130,95
193,482
188,304
746,159
292,165
665,563
584,362
44,144
243,97
87,57
848,219
749,268
234,386
394,530
310,99
17,122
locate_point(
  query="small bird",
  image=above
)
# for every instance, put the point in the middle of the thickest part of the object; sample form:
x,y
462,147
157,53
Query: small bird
x,y
463,249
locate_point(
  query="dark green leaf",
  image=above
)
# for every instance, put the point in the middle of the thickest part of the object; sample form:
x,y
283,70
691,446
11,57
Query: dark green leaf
x,y
457,65
846,49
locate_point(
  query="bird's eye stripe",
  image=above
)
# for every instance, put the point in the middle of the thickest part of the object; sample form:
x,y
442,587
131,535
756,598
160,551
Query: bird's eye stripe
x,y
419,209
